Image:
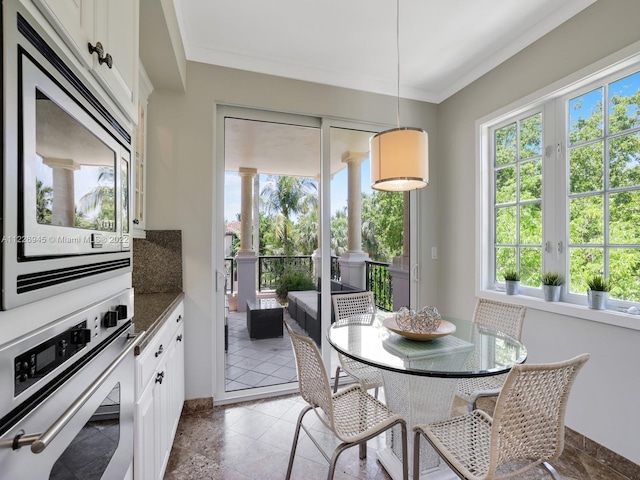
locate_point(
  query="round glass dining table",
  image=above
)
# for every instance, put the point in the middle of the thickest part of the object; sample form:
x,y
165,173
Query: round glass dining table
x,y
420,376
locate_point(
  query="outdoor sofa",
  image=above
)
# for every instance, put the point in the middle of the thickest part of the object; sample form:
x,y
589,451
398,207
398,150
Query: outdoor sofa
x,y
305,307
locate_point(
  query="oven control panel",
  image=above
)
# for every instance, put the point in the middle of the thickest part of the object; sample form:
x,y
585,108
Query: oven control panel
x,y
35,363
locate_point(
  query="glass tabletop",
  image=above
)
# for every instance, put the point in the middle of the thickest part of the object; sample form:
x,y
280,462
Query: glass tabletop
x,y
471,351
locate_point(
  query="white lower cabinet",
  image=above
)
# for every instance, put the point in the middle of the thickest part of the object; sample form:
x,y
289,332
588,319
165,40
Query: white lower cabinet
x,y
159,398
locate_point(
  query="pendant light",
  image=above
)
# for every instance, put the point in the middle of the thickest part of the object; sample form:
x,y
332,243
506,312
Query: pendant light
x,y
400,156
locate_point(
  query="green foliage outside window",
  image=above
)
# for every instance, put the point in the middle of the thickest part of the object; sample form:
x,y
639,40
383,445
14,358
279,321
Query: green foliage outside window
x,y
604,188
603,191
518,197
289,221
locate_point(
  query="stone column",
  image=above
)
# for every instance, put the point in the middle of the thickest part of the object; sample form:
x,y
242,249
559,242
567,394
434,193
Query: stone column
x,y
400,268
63,206
246,258
256,221
246,201
352,266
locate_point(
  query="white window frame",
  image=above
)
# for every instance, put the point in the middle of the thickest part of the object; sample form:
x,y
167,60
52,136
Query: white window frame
x,y
619,64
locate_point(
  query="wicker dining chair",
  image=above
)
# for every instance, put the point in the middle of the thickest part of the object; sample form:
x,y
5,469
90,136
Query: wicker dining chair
x,y
527,425
501,316
353,415
345,307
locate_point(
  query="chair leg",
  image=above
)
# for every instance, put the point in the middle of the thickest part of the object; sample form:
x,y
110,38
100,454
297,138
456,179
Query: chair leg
x,y
405,459
375,392
334,459
335,383
416,455
295,440
363,450
551,470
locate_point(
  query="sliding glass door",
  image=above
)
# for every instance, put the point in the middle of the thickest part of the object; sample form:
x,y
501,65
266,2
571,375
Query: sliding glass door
x,y
296,214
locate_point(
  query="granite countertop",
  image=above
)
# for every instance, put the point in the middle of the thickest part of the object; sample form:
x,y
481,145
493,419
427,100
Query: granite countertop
x,y
151,310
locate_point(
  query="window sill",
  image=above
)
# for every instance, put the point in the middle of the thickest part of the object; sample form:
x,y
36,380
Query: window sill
x,y
608,317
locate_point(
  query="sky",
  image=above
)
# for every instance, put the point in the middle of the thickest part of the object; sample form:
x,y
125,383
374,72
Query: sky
x,y
338,191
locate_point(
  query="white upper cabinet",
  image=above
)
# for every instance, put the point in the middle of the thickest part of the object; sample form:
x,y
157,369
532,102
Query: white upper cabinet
x,y
109,28
140,171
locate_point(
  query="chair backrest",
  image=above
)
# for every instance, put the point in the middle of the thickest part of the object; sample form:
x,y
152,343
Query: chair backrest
x,y
528,420
312,376
505,317
350,304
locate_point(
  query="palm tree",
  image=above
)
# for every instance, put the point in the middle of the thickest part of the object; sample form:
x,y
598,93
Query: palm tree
x,y
307,232
286,196
339,232
101,197
44,197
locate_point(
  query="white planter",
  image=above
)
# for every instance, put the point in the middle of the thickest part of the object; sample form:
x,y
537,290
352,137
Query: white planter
x,y
597,300
552,292
512,287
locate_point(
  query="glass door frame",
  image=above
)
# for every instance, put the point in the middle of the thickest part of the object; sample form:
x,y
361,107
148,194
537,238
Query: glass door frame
x,y
324,124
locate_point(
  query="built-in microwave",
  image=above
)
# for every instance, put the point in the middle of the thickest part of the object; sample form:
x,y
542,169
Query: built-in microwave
x,y
66,176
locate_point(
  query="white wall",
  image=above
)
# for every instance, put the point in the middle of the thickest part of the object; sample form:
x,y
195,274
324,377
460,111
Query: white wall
x,y
181,178
603,404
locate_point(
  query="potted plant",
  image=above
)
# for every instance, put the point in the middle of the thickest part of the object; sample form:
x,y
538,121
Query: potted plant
x,y
552,286
512,281
598,292
293,279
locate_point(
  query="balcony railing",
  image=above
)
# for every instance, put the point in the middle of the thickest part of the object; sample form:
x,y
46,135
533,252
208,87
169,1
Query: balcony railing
x,y
270,268
229,274
379,282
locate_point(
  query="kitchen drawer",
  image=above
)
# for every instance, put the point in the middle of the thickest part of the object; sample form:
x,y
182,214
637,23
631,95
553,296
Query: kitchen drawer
x,y
153,354
176,318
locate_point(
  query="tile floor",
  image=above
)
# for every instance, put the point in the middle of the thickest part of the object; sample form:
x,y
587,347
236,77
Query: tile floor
x,y
252,440
257,363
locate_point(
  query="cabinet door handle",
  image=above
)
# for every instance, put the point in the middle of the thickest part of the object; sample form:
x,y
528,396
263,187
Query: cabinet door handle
x,y
179,318
108,59
98,48
136,221
160,377
179,338
159,352
102,58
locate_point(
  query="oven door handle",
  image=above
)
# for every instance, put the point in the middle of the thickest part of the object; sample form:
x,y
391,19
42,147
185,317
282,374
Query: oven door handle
x,y
39,442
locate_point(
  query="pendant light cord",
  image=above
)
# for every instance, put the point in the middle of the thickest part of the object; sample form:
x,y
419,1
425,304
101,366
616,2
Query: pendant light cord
x,y
398,58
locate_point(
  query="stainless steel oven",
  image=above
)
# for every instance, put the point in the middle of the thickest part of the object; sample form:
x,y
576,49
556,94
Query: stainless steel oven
x,y
70,408
66,172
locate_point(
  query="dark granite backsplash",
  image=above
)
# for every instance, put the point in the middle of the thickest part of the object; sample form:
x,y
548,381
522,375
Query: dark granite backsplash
x,y
157,262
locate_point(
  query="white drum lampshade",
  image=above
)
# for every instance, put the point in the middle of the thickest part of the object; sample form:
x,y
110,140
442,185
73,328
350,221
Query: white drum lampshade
x,y
399,159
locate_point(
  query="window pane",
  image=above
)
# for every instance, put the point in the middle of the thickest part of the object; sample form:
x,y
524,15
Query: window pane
x,y
585,117
583,263
506,225
531,180
624,267
624,215
505,145
624,161
586,224
530,266
586,169
505,260
506,185
531,224
624,104
531,136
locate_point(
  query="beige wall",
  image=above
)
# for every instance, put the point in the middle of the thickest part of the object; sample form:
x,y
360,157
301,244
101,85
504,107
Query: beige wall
x,y
604,401
181,176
